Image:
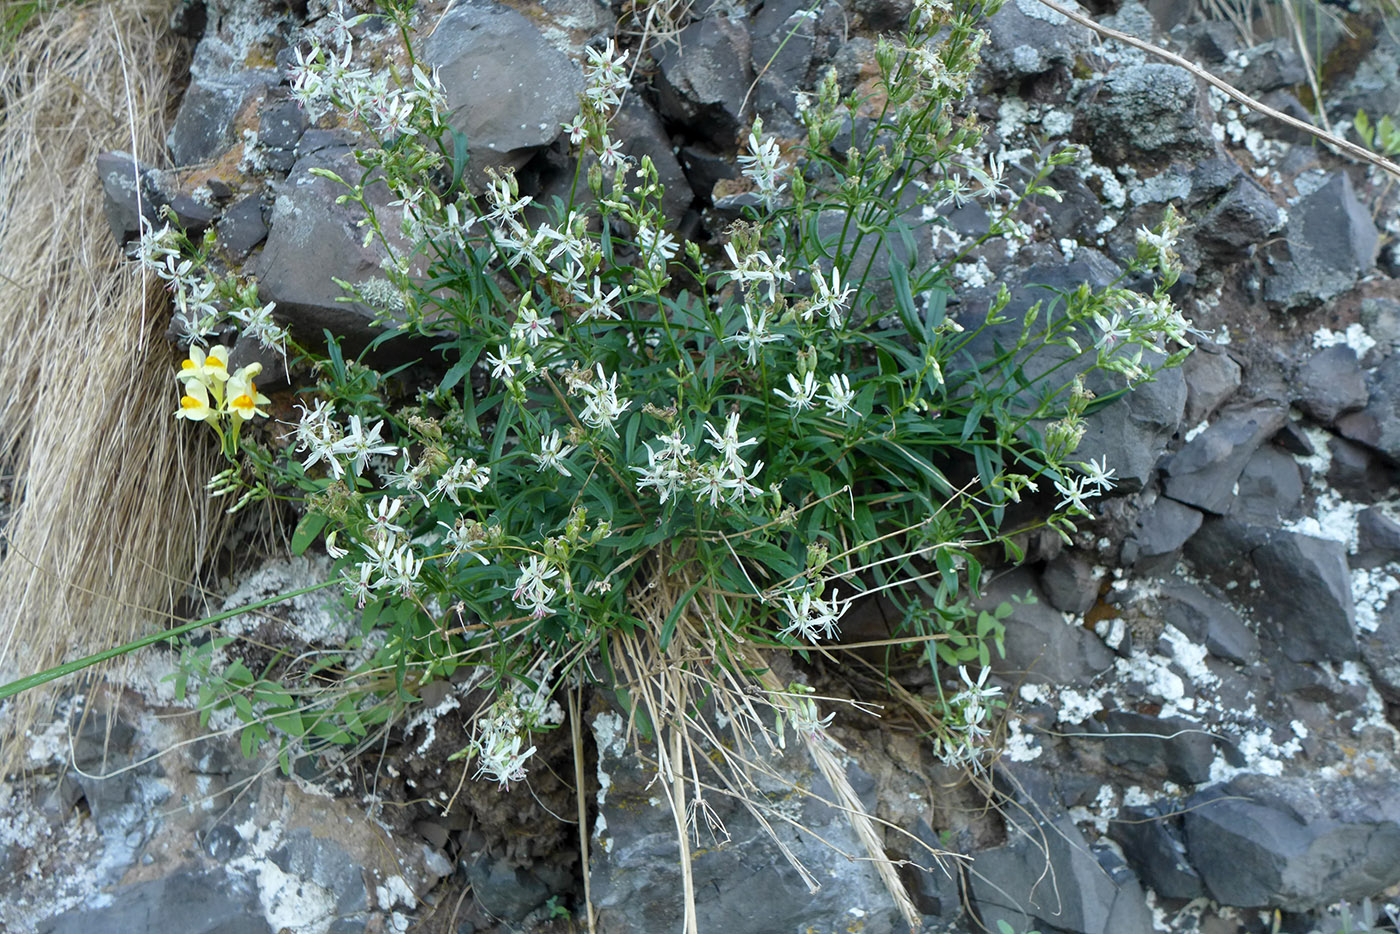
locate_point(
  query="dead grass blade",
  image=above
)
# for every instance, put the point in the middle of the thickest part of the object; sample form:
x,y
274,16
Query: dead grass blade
x,y
109,511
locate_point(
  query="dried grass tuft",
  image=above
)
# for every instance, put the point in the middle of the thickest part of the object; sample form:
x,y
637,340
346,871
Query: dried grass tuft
x,y
109,519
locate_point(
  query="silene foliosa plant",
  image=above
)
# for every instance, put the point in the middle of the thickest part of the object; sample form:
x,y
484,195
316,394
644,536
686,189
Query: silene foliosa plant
x,y
649,463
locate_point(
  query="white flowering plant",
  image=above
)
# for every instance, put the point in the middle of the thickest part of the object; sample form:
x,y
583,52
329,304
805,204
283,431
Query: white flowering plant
x,y
634,452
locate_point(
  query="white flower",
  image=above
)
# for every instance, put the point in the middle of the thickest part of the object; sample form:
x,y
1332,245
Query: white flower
x,y
839,395
359,445
660,473
812,616
463,537
381,523
831,299
1097,473
802,394
504,363
599,304
463,475
658,246
578,131
552,452
728,444
756,336
531,590
610,153
1075,493
529,326
758,267
498,746
762,166
602,407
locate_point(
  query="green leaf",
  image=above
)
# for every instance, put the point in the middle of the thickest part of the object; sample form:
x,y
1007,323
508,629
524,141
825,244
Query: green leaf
x,y
668,628
308,529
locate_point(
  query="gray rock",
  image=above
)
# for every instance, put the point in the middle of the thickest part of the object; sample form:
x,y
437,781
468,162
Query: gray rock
x,y
121,181
1173,748
1271,65
704,86
242,228
1242,218
1053,882
1378,424
1132,434
192,903
507,892
1293,844
1329,243
1380,649
1204,472
221,86
1270,488
310,239
1070,583
881,15
1162,529
1212,377
281,124
1381,319
1154,846
507,88
1357,472
1303,600
636,882
1026,38
784,44
1377,539
324,863
1331,383
1149,113
643,135
1041,645
1209,621
1076,214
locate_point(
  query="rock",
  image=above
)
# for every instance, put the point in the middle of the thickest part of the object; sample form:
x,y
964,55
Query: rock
x,y
643,135
1212,377
1271,65
1204,472
1294,440
1053,882
242,228
310,239
280,126
1242,218
121,180
1270,488
1377,539
1378,424
507,892
1303,600
1162,528
1208,621
324,863
188,902
1132,434
1149,113
635,875
1041,645
882,15
1172,747
1152,841
1070,583
1210,41
1330,383
1329,243
507,88
704,87
1076,214
1027,38
1293,844
1357,472
221,87
784,43
1380,649
1381,319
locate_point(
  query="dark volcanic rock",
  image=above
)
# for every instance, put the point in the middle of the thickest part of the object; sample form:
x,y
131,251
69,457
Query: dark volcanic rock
x,y
1269,489
1175,748
1294,844
122,179
192,903
1212,377
1331,383
1204,472
1329,243
1380,648
1070,583
1162,528
1303,600
242,228
1378,424
1209,621
1154,846
1040,644
1027,38
1150,113
1073,893
507,88
1242,218
705,86
1377,539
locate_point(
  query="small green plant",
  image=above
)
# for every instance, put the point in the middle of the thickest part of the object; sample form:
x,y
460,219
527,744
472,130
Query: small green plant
x,y
1383,137
1003,927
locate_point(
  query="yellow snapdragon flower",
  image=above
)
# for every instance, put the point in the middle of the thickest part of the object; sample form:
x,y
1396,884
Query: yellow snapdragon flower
x,y
194,404
242,396
206,368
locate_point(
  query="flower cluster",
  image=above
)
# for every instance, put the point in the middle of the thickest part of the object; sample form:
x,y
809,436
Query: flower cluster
x,y
220,399
965,724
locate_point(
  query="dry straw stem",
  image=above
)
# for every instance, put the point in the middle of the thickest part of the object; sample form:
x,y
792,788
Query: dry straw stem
x,y
707,661
1331,139
109,518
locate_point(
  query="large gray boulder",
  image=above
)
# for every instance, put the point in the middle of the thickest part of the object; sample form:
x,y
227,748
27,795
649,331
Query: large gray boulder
x,y
1329,243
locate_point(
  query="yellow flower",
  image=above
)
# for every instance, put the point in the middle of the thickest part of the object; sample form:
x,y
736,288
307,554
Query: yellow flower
x,y
204,368
194,404
242,394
